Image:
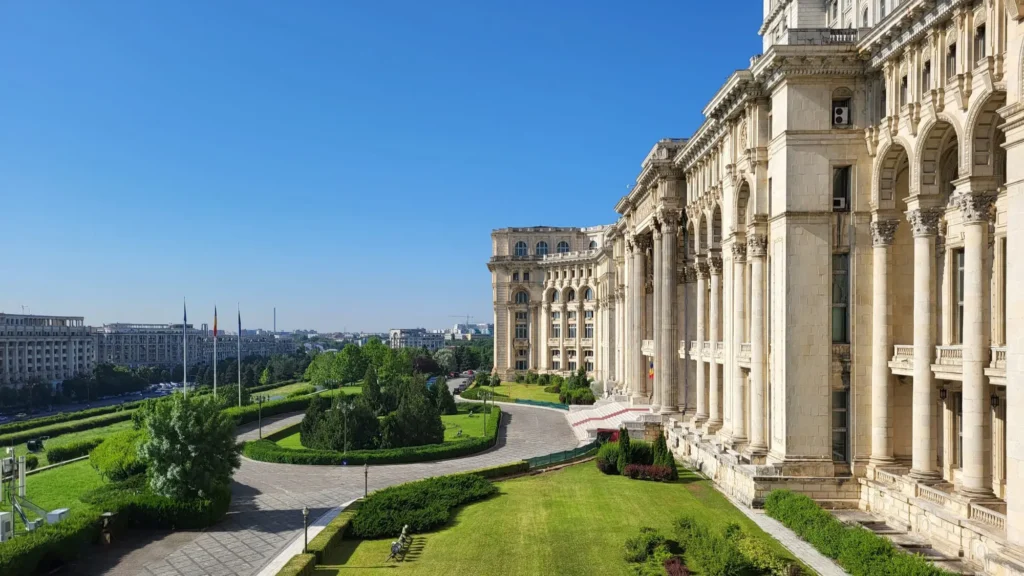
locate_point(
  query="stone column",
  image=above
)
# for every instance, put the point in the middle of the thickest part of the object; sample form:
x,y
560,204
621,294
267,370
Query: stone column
x,y
882,233
656,354
639,293
1013,128
534,333
545,322
976,476
739,314
701,269
924,223
714,382
510,331
757,248
669,350
998,445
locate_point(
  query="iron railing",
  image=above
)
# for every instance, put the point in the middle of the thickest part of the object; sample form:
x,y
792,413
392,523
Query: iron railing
x,y
563,456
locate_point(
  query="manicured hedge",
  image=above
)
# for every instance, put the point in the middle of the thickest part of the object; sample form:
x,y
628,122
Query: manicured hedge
x,y
51,545
860,552
269,451
117,457
65,427
265,387
72,450
332,534
474,394
305,390
251,412
502,470
299,565
138,507
422,505
21,425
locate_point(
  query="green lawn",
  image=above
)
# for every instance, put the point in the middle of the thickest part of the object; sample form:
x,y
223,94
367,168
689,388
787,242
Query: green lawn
x,y
283,390
471,426
61,487
573,521
73,437
525,392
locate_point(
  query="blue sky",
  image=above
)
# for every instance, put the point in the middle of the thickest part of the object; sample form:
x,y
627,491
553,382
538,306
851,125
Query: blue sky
x,y
344,161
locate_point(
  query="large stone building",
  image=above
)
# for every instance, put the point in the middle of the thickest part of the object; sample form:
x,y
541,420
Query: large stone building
x,y
43,348
415,338
812,290
161,344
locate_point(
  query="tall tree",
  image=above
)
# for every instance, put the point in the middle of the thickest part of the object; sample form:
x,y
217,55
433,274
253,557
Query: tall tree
x,y
371,390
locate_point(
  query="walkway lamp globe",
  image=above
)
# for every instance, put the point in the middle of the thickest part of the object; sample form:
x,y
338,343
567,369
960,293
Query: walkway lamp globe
x,y
305,530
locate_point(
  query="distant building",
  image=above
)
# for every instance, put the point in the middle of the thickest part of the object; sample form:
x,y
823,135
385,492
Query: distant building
x,y
47,348
161,344
470,332
415,338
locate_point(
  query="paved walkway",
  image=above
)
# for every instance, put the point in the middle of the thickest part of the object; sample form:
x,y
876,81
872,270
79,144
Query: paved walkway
x,y
800,548
266,511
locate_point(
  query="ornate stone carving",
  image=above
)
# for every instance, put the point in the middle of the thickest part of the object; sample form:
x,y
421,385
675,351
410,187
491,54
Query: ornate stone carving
x,y
701,271
669,219
883,231
924,221
757,245
739,251
715,264
642,242
976,207
689,274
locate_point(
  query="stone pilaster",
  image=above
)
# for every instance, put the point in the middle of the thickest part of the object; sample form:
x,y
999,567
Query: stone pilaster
x,y
757,249
715,334
882,234
656,355
738,396
669,341
701,270
924,223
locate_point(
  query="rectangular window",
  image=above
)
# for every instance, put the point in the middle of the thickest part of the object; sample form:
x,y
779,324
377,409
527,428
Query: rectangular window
x,y
958,400
556,330
950,62
588,314
840,428
521,353
589,366
572,330
572,366
979,44
521,331
526,276
588,331
521,316
556,365
520,364
840,298
515,276
841,185
903,91
926,75
572,315
958,295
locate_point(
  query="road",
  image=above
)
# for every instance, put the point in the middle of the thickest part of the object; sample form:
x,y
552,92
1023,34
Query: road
x,y
266,515
60,409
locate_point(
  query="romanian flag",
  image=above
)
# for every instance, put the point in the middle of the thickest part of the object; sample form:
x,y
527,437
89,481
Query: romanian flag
x,y
650,371
214,321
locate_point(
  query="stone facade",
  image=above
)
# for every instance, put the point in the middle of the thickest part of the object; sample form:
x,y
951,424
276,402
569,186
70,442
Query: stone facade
x,y
44,348
812,289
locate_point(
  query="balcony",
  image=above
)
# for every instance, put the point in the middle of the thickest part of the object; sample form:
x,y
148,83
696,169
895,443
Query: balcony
x,y
647,347
694,350
902,363
554,342
705,351
682,349
569,342
720,352
821,36
587,342
743,356
949,362
996,370
521,343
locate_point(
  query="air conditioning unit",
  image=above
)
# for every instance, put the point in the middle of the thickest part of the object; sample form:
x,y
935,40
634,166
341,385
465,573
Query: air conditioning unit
x,y
839,204
841,116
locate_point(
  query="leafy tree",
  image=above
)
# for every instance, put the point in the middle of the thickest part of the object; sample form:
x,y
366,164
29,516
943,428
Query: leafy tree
x,y
415,423
495,380
191,449
371,390
445,358
353,363
248,377
444,400
375,352
267,377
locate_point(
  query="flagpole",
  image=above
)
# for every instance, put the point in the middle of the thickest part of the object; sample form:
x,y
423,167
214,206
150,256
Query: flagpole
x,y
239,356
184,351
214,351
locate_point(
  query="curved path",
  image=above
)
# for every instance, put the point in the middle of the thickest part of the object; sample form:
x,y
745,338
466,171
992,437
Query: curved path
x,y
266,510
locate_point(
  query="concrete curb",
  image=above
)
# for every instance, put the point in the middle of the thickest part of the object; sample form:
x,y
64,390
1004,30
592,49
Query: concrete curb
x,y
295,547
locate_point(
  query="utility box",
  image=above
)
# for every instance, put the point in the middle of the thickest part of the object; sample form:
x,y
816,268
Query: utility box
x,y
57,515
31,525
6,526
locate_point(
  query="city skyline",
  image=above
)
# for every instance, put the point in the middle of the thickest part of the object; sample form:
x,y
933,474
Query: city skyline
x,y
313,162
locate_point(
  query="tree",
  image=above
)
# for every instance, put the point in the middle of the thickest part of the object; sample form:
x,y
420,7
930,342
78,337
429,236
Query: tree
x,y
663,457
495,380
445,358
624,449
445,400
375,352
353,363
267,376
415,423
371,390
248,377
191,449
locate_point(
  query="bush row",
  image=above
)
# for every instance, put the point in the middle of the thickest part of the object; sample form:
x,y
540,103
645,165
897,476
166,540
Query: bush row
x,y
72,450
331,536
65,427
649,472
304,391
268,451
637,459
117,457
265,387
299,565
475,394
860,552
502,470
51,545
251,412
21,425
423,505
137,506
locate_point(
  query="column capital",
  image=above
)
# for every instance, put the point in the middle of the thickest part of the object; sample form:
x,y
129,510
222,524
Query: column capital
x,y
883,232
715,264
739,252
669,218
924,221
656,229
757,245
641,242
976,207
700,270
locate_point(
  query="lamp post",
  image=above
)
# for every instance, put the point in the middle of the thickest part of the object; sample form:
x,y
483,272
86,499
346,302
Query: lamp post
x,y
305,530
366,479
345,407
259,401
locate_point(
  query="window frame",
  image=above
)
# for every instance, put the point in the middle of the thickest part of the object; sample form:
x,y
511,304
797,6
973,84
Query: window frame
x,y
520,249
562,244
537,248
840,335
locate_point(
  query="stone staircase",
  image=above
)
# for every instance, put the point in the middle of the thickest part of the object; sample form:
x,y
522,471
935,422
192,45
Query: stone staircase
x,y
612,413
908,542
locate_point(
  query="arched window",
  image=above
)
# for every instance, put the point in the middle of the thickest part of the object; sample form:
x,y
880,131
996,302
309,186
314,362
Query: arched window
x,y
570,295
554,295
881,9
542,248
520,248
593,244
588,294
522,297
864,19
563,247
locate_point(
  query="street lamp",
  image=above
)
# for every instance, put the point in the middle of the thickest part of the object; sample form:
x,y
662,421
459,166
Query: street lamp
x,y
366,479
259,401
305,530
345,407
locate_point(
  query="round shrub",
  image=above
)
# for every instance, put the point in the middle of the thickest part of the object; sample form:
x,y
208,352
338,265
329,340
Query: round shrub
x,y
31,462
117,457
607,459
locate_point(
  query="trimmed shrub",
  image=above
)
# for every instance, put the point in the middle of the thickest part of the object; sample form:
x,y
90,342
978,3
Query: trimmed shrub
x,y
51,545
624,449
117,457
250,413
649,472
607,459
761,556
331,536
138,507
474,394
423,505
304,391
59,429
583,396
31,462
859,551
502,470
639,548
73,450
34,423
299,565
661,456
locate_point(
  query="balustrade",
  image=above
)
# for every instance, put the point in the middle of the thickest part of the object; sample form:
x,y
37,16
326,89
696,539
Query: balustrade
x,y
987,516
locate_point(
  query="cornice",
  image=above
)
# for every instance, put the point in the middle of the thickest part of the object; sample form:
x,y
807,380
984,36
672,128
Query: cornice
x,y
782,5
906,24
783,62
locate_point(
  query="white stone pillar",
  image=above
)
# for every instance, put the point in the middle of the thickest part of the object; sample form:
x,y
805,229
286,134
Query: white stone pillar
x,y
534,332
757,249
701,269
545,322
1014,131
669,359
638,293
510,331
924,223
739,314
976,476
882,233
714,382
656,356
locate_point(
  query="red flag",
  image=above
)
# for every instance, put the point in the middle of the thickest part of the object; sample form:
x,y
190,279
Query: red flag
x,y
214,321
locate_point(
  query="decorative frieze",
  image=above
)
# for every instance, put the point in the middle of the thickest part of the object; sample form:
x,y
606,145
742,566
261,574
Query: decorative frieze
x,y
757,245
976,207
883,232
924,221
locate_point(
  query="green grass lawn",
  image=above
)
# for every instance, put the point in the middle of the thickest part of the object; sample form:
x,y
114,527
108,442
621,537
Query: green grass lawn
x,y
525,392
471,426
61,487
283,390
73,437
573,521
